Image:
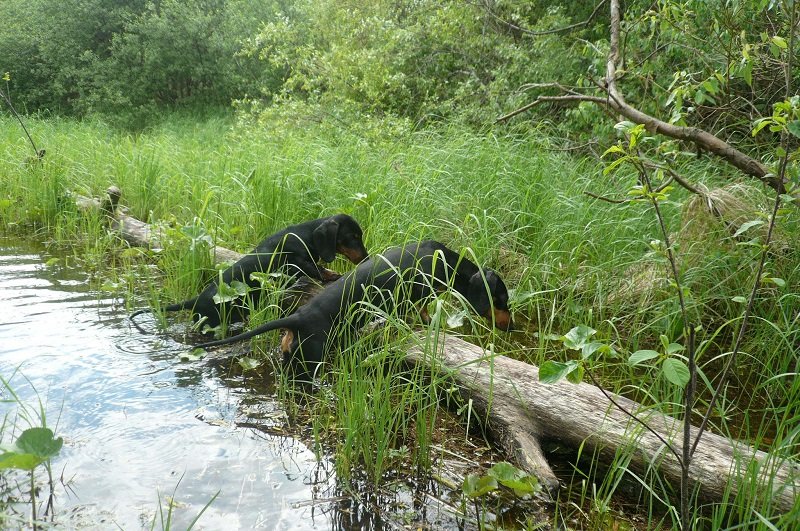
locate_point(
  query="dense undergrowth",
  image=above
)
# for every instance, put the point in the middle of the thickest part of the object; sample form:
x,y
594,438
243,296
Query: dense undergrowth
x,y
519,206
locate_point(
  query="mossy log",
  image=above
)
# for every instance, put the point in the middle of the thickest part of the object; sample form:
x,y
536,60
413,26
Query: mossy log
x,y
519,411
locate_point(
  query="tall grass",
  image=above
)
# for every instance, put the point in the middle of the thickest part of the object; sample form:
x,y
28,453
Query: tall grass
x,y
519,208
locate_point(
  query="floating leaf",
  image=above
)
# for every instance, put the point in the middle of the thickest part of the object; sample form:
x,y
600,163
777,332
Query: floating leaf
x,y
676,371
247,363
195,354
475,486
512,477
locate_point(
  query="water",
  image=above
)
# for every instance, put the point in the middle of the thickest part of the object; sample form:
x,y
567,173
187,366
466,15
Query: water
x,y
139,425
143,429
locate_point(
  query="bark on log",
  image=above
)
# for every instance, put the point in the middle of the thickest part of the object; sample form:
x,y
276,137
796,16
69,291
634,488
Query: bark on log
x,y
519,411
509,395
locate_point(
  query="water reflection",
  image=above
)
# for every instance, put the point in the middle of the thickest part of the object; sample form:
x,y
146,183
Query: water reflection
x,y
140,425
137,423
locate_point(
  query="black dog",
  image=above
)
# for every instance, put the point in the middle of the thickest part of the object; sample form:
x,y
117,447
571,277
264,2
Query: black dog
x,y
294,250
400,276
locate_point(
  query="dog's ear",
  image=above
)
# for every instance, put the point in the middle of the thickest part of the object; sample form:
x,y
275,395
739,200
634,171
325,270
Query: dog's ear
x,y
483,294
478,294
324,239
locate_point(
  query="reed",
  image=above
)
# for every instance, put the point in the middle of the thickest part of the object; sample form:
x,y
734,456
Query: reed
x,y
516,205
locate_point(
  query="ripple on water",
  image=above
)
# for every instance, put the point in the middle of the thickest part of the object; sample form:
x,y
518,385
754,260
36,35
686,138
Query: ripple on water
x,y
136,421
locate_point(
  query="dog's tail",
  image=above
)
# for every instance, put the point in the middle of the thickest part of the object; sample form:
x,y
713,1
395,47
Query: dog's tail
x,y
286,322
178,306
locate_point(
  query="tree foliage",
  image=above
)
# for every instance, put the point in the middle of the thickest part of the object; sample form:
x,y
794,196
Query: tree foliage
x,y
716,65
129,57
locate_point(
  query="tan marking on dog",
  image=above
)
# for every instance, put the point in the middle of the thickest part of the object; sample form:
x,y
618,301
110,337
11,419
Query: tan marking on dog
x,y
287,336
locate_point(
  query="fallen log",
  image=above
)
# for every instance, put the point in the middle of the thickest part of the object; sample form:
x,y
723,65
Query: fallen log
x,y
519,411
136,232
519,408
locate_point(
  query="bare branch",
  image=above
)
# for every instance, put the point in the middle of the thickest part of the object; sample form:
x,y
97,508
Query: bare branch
x,y
609,199
674,175
629,200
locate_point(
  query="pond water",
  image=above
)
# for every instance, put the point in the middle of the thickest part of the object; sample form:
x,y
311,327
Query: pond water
x,y
141,428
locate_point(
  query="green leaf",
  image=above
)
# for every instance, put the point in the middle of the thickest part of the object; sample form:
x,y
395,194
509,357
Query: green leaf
x,y
776,280
747,73
575,376
613,149
664,341
641,356
33,447
747,226
230,292
247,363
19,461
590,348
794,127
553,371
40,442
577,337
625,126
676,371
613,166
195,354
672,348
739,299
780,42
760,124
513,478
475,486
504,471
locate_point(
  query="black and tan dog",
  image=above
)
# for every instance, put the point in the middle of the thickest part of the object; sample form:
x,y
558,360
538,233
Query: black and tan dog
x,y
294,251
402,276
